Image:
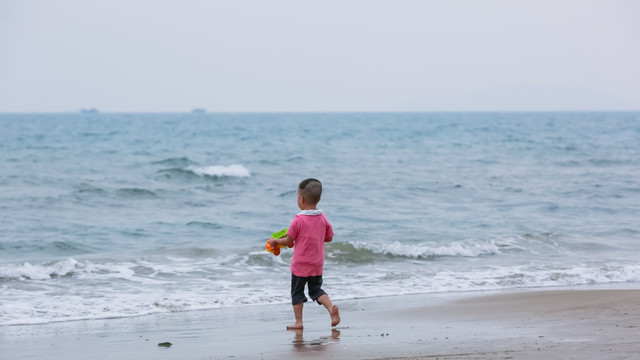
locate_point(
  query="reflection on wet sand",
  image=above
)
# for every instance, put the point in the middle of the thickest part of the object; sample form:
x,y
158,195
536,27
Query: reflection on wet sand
x,y
300,344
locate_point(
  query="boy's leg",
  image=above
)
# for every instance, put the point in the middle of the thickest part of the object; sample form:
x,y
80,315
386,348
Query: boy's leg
x,y
297,300
333,309
316,293
297,313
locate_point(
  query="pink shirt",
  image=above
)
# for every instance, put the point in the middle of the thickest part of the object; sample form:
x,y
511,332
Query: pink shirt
x,y
309,229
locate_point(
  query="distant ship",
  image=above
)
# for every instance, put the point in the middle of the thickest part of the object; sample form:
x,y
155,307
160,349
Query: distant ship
x,y
198,111
89,111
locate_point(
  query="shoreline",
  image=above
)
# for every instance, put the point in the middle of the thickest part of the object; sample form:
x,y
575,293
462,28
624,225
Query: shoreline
x,y
569,323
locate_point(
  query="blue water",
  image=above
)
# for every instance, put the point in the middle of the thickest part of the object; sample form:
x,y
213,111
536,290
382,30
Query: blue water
x,y
112,215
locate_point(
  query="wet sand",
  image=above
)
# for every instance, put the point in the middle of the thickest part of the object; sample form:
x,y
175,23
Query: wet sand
x,y
551,324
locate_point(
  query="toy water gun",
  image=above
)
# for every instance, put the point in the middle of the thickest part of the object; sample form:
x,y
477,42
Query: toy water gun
x,y
277,235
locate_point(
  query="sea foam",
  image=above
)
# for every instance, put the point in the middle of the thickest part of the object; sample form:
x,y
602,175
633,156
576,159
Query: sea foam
x,y
466,248
28,271
221,171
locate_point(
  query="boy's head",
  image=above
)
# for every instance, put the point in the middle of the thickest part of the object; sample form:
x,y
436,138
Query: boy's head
x,y
311,191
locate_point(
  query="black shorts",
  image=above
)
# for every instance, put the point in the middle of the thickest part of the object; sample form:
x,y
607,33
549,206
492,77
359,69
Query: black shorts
x,y
297,288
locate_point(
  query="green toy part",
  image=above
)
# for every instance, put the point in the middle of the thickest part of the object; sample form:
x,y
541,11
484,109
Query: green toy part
x,y
280,234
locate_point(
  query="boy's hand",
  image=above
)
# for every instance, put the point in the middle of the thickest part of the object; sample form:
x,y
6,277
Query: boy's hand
x,y
283,241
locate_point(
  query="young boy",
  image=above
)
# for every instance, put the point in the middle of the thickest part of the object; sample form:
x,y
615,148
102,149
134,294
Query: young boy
x,y
309,230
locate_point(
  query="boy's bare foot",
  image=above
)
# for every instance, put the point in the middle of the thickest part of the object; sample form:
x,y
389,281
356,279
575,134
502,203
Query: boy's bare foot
x,y
335,316
295,327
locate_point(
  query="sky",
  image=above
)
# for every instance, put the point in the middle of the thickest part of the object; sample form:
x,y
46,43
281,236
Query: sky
x,y
330,55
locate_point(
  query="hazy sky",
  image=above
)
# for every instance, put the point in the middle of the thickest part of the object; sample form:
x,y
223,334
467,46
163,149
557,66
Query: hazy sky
x,y
369,55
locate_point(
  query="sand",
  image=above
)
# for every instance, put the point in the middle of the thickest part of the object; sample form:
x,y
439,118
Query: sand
x,y
549,324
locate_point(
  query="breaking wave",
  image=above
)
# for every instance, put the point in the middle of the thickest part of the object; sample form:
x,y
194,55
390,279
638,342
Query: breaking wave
x,y
214,172
220,171
29,271
359,251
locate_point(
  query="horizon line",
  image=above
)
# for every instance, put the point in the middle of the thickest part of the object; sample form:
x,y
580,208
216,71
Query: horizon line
x,y
98,112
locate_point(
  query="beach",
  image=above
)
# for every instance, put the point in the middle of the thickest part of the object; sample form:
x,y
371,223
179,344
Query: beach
x,y
580,323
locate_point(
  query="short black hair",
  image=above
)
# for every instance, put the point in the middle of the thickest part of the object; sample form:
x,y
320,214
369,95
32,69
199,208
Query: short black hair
x,y
311,189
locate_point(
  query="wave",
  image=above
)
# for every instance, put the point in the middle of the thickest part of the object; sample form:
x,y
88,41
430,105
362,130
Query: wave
x,y
386,281
288,193
27,271
205,225
193,172
69,290
177,162
596,162
102,271
136,193
89,190
218,171
180,173
359,252
53,247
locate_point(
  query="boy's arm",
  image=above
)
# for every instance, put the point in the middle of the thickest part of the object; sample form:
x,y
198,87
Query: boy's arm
x,y
286,241
329,233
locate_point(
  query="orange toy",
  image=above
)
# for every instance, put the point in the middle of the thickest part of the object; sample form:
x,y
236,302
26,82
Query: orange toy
x,y
277,235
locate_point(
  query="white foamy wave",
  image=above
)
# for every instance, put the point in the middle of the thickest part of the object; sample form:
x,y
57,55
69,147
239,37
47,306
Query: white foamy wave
x,y
74,290
220,171
382,281
28,271
466,248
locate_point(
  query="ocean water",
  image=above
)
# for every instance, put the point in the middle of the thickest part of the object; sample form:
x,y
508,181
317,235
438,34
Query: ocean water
x,y
118,215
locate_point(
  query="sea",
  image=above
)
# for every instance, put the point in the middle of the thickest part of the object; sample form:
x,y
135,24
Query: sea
x,y
106,215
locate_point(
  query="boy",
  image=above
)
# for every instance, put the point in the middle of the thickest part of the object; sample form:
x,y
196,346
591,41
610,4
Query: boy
x,y
309,230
